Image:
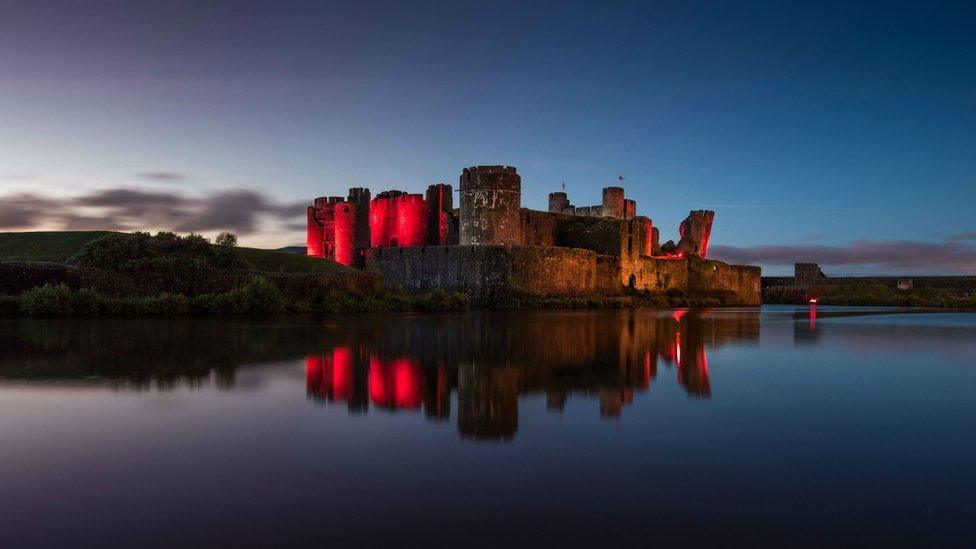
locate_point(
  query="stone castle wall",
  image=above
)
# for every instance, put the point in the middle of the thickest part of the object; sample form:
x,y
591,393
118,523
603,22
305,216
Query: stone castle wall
x,y
485,271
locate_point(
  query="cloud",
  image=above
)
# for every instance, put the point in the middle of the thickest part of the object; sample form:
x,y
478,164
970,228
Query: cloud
x,y
230,210
164,177
955,254
237,210
23,210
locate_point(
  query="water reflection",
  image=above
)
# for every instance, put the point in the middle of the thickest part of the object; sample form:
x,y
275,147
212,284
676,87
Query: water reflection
x,y
490,361
482,363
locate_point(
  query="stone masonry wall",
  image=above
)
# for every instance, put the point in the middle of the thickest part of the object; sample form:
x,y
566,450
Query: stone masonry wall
x,y
714,276
484,271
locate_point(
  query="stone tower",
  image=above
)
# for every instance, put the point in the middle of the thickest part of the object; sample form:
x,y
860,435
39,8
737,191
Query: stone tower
x,y
491,197
695,232
613,202
559,203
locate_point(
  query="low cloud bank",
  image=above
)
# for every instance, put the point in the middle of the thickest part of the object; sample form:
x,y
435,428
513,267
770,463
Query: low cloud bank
x,y
237,210
956,254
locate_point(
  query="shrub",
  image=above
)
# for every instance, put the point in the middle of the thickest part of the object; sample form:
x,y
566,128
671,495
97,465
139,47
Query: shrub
x,y
165,304
47,300
261,296
439,300
86,302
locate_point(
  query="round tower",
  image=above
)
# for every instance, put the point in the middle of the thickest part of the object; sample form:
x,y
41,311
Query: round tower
x,y
345,231
491,197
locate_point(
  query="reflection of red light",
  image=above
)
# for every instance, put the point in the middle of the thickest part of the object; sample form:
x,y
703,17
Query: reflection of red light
x,y
677,349
330,375
395,384
648,374
342,373
678,314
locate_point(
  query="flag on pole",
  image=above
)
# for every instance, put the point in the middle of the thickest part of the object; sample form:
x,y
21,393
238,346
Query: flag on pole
x,y
620,178
564,185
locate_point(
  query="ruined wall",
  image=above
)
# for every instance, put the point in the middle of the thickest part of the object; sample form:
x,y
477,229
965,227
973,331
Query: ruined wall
x,y
487,270
490,202
695,231
808,274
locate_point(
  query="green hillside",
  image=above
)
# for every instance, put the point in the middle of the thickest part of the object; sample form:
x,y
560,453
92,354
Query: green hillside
x,y
56,246
59,246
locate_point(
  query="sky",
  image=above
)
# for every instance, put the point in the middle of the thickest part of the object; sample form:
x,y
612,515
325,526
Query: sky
x,y
842,132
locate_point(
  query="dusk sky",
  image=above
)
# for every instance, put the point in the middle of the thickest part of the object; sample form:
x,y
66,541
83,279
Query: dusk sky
x,y
833,132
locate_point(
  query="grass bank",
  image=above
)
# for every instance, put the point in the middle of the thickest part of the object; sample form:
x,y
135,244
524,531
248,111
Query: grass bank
x,y
258,296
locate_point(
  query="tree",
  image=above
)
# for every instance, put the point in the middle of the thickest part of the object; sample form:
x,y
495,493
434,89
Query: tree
x,y
226,240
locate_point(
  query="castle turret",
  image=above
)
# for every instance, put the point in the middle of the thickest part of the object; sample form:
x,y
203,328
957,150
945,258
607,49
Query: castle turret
x,y
559,203
490,201
613,202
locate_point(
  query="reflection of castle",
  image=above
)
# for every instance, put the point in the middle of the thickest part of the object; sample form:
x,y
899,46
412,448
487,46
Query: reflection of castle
x,y
490,361
491,244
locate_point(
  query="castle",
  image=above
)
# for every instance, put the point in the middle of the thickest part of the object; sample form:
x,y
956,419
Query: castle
x,y
490,245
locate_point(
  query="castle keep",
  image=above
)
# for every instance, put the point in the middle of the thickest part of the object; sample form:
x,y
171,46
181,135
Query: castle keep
x,y
490,245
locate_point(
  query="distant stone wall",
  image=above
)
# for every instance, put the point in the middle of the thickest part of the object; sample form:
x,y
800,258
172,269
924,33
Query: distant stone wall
x,y
487,270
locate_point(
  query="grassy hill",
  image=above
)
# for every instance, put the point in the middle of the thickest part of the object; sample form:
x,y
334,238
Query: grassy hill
x,y
60,246
56,246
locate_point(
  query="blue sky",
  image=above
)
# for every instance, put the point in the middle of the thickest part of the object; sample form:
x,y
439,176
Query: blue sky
x,y
806,126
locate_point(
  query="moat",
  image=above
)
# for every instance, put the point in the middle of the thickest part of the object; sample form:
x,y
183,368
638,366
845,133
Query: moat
x,y
772,426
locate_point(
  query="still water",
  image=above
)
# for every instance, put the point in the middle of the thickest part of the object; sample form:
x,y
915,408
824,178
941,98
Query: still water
x,y
682,427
